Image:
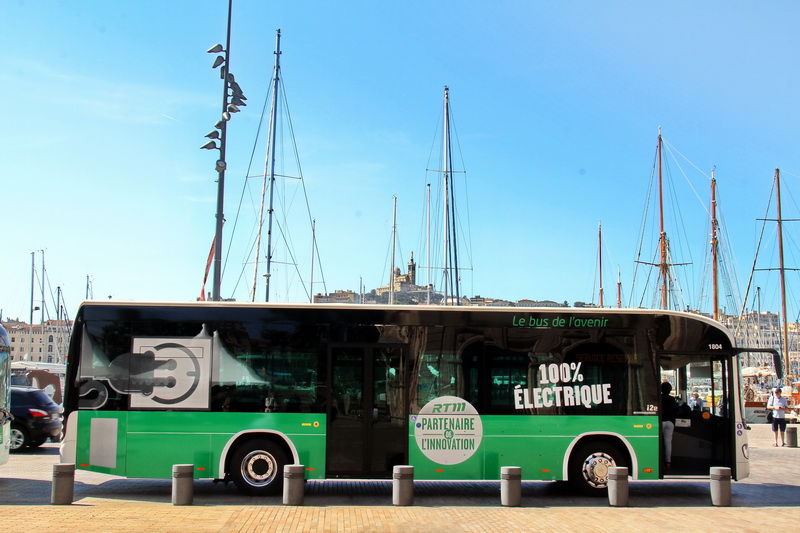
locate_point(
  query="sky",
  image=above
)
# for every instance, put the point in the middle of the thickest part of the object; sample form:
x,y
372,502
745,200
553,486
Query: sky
x,y
556,109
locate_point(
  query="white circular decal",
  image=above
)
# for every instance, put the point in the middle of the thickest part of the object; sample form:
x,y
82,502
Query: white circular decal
x,y
448,430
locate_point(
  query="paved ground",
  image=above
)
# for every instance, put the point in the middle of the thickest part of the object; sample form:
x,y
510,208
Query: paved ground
x,y
768,499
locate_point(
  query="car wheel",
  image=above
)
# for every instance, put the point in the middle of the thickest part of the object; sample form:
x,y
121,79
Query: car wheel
x,y
589,465
257,467
36,444
19,438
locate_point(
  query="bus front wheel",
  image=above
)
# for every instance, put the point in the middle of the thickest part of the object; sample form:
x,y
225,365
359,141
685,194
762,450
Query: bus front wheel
x,y
589,465
257,467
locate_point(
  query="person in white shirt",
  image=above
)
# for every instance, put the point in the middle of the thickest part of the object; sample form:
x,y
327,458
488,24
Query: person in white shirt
x,y
779,405
696,402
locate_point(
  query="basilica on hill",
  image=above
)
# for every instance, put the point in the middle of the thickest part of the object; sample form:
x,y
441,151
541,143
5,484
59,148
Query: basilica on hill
x,y
404,282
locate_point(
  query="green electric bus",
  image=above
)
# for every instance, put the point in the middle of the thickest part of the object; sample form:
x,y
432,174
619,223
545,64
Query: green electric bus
x,y
349,391
5,399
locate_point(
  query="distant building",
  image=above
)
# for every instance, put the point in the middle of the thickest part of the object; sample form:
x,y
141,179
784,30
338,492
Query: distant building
x,y
39,343
338,297
490,302
765,330
541,303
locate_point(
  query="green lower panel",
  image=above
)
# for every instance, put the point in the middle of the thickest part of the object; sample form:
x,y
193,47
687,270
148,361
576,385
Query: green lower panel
x,y
147,444
102,442
152,455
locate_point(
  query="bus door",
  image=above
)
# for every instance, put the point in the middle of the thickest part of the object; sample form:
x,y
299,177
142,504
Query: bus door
x,y
367,411
707,402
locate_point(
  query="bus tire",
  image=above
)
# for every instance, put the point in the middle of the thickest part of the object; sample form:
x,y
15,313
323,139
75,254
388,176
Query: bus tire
x,y
257,467
589,464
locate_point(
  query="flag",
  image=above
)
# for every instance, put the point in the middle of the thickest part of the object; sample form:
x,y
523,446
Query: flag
x,y
208,267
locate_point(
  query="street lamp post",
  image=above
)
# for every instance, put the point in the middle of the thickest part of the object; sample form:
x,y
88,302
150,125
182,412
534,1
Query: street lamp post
x,y
220,132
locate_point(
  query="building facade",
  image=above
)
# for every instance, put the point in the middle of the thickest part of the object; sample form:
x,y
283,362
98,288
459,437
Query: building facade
x,y
39,343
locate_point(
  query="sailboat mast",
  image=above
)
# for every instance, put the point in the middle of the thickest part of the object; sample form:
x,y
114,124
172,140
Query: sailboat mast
x,y
446,198
271,157
30,325
313,249
663,266
394,238
43,280
600,257
428,224
450,247
258,234
783,281
714,246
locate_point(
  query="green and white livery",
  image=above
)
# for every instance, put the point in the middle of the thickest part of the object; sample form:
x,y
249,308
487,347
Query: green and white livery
x,y
241,390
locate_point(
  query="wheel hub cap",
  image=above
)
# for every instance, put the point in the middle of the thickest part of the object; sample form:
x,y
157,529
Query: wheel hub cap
x,y
259,468
595,469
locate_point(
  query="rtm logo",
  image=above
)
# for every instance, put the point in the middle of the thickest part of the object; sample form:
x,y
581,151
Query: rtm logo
x,y
449,407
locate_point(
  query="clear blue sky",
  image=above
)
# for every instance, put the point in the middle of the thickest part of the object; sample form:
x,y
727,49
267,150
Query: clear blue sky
x,y
557,107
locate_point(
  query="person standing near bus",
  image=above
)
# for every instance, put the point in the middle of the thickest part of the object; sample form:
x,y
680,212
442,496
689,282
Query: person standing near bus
x,y
669,411
749,393
696,403
779,405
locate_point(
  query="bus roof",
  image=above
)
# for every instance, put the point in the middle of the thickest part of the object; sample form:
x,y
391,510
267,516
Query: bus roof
x,y
417,308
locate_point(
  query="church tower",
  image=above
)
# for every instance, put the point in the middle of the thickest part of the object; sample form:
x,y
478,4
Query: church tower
x,y
412,271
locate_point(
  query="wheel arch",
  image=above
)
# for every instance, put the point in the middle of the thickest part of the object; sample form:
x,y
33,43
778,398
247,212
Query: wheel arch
x,y
244,436
601,436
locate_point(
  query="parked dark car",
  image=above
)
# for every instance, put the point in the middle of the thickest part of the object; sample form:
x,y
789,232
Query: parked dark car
x,y
36,418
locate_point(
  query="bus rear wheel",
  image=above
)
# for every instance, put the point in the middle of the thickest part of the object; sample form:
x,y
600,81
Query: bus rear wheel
x,y
257,467
589,467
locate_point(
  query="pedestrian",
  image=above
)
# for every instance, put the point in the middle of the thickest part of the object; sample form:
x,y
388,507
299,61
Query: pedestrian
x,y
778,404
669,411
749,394
696,402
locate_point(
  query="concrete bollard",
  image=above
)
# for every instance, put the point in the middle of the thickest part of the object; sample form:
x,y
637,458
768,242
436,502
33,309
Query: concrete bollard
x,y
182,484
511,486
618,486
791,437
294,478
720,486
63,489
403,485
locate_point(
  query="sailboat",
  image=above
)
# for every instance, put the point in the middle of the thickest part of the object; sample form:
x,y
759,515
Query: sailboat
x,y
667,282
673,291
601,288
273,210
449,282
790,361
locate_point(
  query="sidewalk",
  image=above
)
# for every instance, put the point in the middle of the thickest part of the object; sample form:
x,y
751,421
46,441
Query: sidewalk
x,y
768,499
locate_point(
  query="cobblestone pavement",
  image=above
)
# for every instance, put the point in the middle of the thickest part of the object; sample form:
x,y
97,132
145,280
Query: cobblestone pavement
x,y
768,499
